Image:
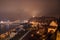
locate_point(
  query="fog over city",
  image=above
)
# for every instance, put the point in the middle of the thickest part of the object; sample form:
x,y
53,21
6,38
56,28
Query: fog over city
x,y
23,9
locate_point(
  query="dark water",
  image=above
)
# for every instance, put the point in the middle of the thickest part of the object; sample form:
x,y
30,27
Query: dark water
x,y
5,28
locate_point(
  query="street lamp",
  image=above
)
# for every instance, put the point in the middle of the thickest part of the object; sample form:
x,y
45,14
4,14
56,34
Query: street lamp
x,y
33,16
1,22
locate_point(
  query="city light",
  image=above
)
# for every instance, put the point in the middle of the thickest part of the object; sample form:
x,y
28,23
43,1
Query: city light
x,y
25,21
1,22
33,16
54,24
37,32
32,35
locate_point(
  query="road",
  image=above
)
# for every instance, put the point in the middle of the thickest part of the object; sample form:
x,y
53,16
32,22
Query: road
x,y
22,36
19,35
26,35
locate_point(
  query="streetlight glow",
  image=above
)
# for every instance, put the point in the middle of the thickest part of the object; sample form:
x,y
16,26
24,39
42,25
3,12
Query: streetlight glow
x,y
1,22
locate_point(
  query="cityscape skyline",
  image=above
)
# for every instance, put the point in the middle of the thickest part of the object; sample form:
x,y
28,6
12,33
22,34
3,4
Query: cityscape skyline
x,y
24,9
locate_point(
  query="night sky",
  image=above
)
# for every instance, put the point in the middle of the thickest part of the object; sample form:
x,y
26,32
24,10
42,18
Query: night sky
x,y
23,9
